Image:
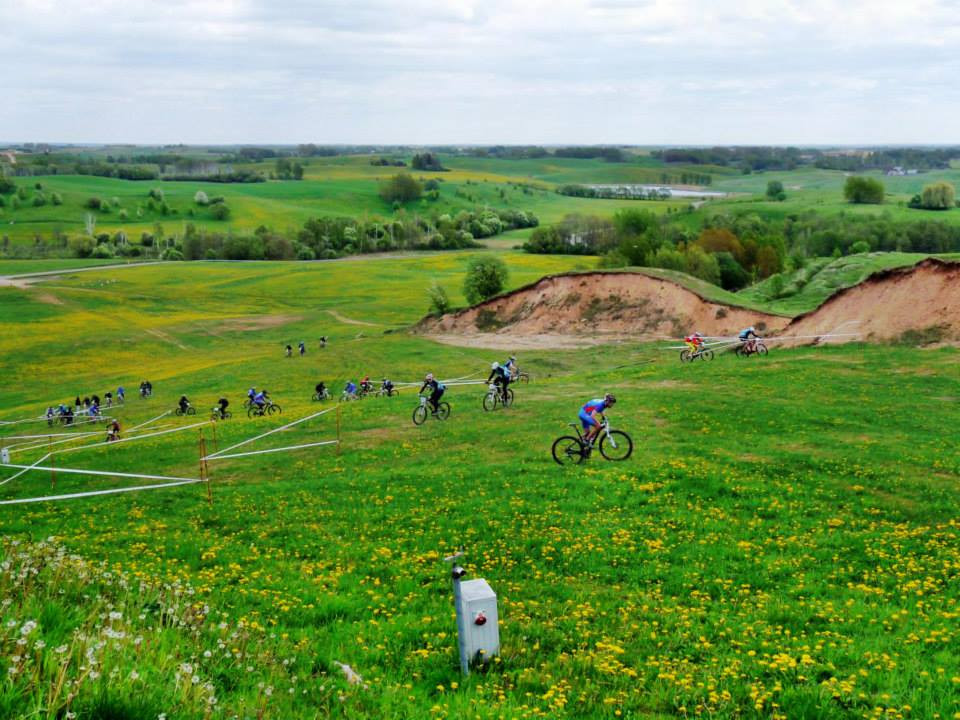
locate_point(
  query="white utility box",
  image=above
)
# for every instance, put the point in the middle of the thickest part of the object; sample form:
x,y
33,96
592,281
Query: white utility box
x,y
481,624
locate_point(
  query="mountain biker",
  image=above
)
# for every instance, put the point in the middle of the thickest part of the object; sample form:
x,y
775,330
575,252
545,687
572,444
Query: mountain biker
x,y
588,416
113,431
350,390
95,400
184,404
365,385
500,376
323,341
745,338
511,367
694,342
251,393
50,415
386,386
437,389
222,403
303,349
260,400
320,389
120,394
109,398
289,349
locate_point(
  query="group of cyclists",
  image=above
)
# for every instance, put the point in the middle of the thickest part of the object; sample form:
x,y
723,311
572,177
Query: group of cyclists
x,y
90,406
355,391
748,340
302,347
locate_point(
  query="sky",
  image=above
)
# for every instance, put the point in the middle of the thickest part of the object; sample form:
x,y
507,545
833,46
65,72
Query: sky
x,y
639,72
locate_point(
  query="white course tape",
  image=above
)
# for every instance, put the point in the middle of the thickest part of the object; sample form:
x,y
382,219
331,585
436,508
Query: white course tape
x,y
106,473
269,432
26,469
91,493
271,450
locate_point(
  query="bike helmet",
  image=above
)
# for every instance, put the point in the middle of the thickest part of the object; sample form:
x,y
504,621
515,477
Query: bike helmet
x,y
495,366
609,399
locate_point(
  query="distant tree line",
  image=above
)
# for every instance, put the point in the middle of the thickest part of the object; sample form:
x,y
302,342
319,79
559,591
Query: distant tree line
x,y
749,159
735,249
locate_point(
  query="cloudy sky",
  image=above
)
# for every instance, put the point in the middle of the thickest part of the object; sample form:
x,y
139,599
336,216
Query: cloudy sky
x,y
480,71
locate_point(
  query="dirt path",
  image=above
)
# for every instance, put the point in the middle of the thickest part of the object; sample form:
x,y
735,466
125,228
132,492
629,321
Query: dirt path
x,y
160,335
350,321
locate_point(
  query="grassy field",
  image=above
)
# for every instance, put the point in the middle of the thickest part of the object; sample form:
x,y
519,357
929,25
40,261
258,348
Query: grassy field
x,y
766,552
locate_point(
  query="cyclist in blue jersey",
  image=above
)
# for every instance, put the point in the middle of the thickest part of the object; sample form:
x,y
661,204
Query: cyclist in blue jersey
x,y
745,338
260,399
350,390
590,412
500,376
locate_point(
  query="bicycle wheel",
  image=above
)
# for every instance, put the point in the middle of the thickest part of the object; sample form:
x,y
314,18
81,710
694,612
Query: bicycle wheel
x,y
227,415
178,412
707,355
490,401
215,416
685,356
274,409
315,398
740,351
761,349
252,411
616,445
523,377
508,400
419,414
567,450
191,411
443,411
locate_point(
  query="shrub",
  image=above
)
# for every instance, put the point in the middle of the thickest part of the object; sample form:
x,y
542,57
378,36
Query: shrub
x,y
172,254
156,194
860,246
200,198
486,276
938,196
93,203
305,252
220,211
56,199
124,215
775,191
402,187
439,300
81,247
39,200
22,193
863,190
102,252
7,186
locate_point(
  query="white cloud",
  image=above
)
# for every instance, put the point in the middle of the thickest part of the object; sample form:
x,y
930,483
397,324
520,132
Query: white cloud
x,y
653,71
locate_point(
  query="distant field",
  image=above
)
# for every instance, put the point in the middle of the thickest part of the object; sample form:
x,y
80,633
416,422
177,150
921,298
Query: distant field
x,y
783,542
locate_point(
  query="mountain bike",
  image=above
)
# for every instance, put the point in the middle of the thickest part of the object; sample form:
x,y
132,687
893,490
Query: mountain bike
x,y
325,395
521,376
387,392
270,408
687,355
190,410
751,348
421,411
614,445
495,397
217,414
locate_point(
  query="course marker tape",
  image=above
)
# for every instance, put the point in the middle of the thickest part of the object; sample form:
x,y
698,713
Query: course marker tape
x,y
269,432
271,450
91,493
106,473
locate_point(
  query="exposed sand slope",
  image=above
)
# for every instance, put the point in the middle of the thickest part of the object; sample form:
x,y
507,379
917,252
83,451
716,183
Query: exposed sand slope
x,y
598,306
891,302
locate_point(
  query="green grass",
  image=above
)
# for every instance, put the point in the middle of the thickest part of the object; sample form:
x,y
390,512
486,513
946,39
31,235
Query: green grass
x,y
807,288
767,551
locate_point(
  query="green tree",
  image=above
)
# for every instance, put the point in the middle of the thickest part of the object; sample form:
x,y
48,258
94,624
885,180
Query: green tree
x,y
401,187
220,211
938,196
775,190
486,276
7,185
863,190
732,274
439,300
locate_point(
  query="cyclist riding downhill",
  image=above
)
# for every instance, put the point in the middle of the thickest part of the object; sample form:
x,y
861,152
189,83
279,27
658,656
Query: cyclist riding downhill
x,y
588,419
694,342
221,408
303,349
500,376
436,388
748,339
183,404
289,350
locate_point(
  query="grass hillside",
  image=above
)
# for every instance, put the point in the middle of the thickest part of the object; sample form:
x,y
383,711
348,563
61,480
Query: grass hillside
x,y
766,552
806,289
